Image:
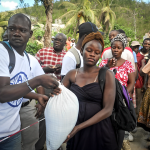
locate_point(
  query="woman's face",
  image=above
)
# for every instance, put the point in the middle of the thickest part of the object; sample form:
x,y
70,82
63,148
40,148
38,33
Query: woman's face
x,y
117,49
91,52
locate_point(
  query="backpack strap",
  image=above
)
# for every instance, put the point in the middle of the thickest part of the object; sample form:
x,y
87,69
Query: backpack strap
x,y
12,58
28,58
11,55
102,77
77,57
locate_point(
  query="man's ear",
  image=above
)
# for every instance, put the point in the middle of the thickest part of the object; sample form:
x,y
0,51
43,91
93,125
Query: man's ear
x,y
31,33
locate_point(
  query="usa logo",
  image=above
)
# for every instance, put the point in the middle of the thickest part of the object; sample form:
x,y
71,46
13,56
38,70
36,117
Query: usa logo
x,y
17,79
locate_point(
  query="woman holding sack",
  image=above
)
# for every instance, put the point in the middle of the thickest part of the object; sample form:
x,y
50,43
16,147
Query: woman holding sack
x,y
93,130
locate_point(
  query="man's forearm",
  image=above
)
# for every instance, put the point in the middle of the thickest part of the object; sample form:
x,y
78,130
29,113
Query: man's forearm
x,y
32,95
40,90
13,92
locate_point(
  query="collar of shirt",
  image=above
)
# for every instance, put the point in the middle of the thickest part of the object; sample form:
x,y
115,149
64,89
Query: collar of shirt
x,y
76,49
56,52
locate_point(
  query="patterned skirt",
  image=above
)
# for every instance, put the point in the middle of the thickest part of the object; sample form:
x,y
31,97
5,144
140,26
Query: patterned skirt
x,y
144,113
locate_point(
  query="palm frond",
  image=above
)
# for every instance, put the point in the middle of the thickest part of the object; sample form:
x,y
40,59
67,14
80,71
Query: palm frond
x,y
67,13
90,15
98,23
105,9
81,20
112,21
67,4
112,13
72,20
107,17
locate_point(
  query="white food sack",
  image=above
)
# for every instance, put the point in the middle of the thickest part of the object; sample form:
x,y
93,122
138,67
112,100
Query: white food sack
x,y
61,115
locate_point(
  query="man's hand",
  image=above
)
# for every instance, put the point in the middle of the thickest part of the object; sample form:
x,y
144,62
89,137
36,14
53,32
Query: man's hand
x,y
111,63
40,110
48,81
55,91
49,69
57,69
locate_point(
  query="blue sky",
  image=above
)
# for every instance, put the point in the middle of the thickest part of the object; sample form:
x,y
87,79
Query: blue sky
x,y
7,5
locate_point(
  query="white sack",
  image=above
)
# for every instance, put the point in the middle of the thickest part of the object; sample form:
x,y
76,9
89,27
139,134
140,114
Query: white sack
x,y
61,115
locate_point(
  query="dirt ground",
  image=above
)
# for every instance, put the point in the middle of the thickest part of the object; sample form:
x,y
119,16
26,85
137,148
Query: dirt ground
x,y
140,140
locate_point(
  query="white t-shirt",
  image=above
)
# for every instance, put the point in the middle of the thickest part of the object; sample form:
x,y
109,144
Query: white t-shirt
x,y
9,111
69,62
127,54
73,44
36,70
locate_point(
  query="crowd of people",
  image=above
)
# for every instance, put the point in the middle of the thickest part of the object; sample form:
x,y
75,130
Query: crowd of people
x,y
78,69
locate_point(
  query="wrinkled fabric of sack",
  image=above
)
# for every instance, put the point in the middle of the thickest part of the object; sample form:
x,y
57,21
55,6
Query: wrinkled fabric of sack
x,y
61,115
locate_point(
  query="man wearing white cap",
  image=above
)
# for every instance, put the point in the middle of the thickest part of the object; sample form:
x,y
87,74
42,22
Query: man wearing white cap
x,y
135,46
73,44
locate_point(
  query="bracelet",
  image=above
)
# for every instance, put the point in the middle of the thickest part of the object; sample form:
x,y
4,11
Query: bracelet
x,y
29,85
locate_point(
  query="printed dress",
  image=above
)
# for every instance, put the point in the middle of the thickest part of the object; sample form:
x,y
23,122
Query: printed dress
x,y
122,71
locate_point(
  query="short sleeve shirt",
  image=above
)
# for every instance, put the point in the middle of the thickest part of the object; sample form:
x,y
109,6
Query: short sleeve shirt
x,y
68,45
48,56
122,71
135,58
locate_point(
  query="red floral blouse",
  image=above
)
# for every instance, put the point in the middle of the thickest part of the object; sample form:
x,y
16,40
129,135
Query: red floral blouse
x,y
122,71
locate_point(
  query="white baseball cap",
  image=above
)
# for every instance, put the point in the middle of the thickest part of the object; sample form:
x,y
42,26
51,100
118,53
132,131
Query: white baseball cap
x,y
135,43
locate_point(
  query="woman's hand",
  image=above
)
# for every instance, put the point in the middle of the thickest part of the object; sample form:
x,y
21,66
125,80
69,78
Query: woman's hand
x,y
111,63
73,132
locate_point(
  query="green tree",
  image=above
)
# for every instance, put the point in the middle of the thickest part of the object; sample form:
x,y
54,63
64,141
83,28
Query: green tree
x,y
79,13
4,22
48,5
107,17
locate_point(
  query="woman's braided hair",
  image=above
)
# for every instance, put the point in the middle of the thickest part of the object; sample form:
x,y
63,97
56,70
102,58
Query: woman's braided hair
x,y
120,37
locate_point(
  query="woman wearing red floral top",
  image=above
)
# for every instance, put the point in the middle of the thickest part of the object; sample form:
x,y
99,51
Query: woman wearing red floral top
x,y
125,73
125,70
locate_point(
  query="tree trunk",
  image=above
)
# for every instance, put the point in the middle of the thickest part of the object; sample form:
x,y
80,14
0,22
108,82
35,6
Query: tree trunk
x,y
48,26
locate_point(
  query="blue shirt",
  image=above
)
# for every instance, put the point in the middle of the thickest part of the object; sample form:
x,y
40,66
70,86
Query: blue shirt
x,y
134,55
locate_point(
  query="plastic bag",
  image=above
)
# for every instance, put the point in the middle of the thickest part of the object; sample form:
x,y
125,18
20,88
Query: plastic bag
x,y
61,115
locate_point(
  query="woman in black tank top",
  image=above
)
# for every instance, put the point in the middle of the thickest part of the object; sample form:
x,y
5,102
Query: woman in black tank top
x,y
93,130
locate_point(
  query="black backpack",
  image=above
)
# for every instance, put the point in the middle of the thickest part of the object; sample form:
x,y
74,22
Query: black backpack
x,y
12,58
123,116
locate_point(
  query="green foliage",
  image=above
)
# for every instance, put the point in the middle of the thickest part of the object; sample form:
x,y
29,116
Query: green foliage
x,y
129,32
106,42
123,10
32,47
1,33
38,32
54,33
